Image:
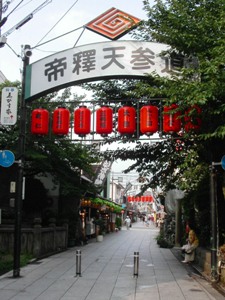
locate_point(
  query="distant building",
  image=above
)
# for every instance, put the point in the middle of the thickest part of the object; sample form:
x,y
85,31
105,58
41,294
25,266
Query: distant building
x,y
2,77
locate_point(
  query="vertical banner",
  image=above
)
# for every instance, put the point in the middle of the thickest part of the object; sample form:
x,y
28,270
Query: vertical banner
x,y
102,172
9,106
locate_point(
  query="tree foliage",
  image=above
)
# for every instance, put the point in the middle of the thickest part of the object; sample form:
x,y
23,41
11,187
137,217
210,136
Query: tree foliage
x,y
59,156
195,33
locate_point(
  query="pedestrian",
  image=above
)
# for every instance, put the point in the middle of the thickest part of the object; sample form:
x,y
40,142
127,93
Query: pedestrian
x,y
152,220
127,222
189,248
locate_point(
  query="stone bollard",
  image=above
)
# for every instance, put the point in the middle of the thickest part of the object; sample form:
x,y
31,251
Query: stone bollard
x,y
136,264
78,263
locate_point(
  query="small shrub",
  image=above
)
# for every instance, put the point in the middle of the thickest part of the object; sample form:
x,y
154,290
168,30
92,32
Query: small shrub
x,y
162,242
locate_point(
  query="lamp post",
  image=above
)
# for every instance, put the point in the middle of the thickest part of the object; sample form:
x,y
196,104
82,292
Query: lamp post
x,y
20,162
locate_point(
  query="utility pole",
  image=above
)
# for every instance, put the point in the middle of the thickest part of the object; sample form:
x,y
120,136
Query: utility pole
x,y
0,13
21,161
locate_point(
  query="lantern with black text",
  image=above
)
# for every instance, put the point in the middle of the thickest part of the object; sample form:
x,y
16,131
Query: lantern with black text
x,y
191,119
82,121
149,119
104,123
40,121
61,121
171,119
126,120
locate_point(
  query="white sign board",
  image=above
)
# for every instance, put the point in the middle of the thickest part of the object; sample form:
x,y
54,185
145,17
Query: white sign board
x,y
105,60
9,106
102,172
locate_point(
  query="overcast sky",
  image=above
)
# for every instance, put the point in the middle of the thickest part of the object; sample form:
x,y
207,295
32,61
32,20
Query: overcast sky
x,y
81,12
50,18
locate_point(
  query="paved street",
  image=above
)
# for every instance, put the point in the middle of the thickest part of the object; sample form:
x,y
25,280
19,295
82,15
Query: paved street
x,y
107,273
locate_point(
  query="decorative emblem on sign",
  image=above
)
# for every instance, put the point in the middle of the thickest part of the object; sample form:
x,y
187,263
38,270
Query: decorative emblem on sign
x,y
113,23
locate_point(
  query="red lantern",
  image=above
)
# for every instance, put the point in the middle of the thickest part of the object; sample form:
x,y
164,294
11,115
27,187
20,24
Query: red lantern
x,y
171,120
191,119
82,121
129,199
150,199
149,119
126,120
39,121
61,121
104,124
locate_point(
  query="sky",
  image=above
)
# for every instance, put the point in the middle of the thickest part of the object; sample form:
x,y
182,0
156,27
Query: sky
x,y
56,19
50,18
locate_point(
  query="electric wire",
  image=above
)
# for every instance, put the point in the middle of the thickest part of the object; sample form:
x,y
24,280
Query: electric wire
x,y
14,8
3,21
79,37
5,5
13,50
57,23
25,4
38,45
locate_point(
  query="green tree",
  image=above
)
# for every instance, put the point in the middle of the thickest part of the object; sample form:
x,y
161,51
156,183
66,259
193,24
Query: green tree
x,y
59,156
195,32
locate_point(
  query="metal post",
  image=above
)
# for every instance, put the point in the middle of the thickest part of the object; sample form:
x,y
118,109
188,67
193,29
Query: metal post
x,y
178,223
19,183
136,264
214,273
78,263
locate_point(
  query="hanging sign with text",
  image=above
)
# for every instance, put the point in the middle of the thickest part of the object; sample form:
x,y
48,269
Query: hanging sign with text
x,y
105,60
9,106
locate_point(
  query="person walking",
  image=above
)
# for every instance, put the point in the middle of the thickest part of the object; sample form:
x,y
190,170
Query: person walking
x,y
127,222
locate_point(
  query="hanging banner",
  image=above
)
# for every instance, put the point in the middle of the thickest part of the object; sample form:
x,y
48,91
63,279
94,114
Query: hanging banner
x,y
102,172
9,106
105,60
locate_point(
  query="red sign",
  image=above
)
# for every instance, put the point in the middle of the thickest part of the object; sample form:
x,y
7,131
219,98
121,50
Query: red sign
x,y
113,23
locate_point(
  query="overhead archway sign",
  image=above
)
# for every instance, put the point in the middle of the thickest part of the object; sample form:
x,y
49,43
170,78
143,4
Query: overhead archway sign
x,y
98,61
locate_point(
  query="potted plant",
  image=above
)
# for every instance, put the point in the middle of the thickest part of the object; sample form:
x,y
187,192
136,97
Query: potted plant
x,y
118,222
100,230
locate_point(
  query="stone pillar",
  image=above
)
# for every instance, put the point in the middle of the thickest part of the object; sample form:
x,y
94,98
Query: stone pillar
x,y
52,224
37,237
66,226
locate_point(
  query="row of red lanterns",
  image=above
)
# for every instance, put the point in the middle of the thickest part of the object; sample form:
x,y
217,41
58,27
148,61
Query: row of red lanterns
x,y
104,120
140,199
